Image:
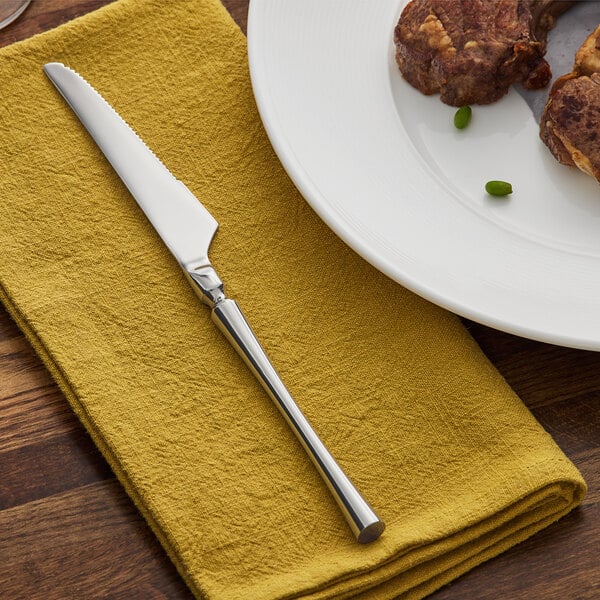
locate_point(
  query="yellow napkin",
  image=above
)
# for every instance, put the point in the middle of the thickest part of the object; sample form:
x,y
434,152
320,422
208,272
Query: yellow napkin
x,y
422,423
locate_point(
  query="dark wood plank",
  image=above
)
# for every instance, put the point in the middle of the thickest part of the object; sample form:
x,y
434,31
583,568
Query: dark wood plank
x,y
32,408
238,9
58,464
87,543
68,530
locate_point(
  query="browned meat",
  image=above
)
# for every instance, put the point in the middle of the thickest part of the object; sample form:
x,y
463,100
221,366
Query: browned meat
x,y
471,51
570,124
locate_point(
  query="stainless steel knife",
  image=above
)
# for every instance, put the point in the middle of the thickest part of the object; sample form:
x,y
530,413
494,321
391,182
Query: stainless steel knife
x,y
187,229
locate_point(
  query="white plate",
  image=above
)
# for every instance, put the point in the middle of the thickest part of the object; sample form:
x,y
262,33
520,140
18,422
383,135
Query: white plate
x,y
384,167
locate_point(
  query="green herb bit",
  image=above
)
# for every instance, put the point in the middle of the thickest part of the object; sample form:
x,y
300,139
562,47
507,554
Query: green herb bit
x,y
498,188
462,117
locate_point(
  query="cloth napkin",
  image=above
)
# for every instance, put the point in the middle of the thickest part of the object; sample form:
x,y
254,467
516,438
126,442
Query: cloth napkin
x,y
424,426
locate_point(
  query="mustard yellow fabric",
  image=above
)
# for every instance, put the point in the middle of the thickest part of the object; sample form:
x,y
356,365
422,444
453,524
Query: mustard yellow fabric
x,y
423,424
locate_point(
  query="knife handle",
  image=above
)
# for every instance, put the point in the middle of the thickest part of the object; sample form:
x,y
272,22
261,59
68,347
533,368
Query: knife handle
x,y
226,314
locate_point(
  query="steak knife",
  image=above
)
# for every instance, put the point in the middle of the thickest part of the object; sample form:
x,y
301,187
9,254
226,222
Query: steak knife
x,y
187,229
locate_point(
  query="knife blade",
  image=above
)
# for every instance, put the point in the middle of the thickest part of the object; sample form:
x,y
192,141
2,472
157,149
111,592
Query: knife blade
x,y
187,229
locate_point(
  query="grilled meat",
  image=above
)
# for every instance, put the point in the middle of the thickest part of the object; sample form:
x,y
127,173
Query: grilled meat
x,y
570,124
471,51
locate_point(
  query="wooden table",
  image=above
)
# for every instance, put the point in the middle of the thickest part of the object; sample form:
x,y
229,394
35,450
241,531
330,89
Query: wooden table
x,y
68,530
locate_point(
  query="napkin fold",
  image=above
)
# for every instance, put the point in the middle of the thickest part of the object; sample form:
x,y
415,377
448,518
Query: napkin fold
x,y
403,397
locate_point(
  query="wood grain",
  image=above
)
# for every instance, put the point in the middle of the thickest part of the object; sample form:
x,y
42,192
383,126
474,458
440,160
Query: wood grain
x,y
87,542
67,529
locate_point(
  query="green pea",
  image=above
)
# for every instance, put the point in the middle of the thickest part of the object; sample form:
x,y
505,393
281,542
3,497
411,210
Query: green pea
x,y
462,117
498,188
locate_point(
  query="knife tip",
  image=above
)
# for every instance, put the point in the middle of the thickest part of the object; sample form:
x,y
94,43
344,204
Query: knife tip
x,y
49,67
